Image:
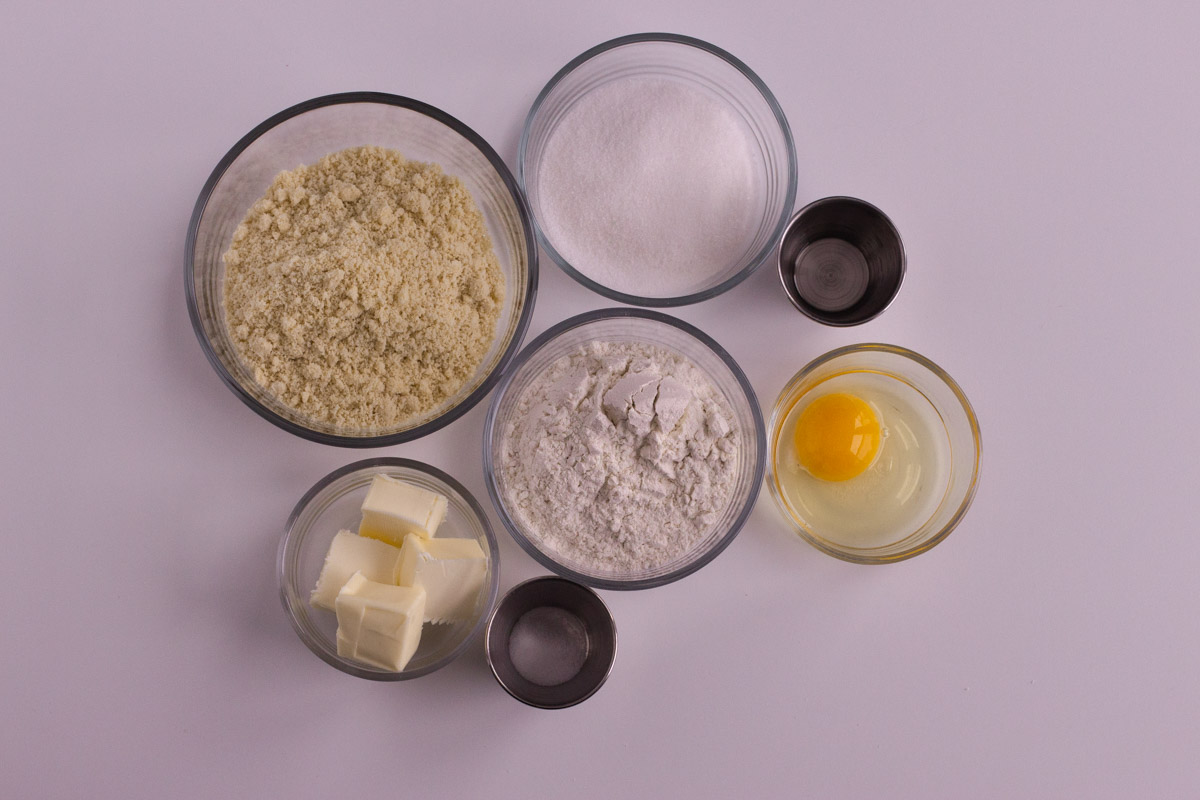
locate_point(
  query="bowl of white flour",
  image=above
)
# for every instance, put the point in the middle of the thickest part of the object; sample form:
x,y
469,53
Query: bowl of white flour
x,y
624,449
663,150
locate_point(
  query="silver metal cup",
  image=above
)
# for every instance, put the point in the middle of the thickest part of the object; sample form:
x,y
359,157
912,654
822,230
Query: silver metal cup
x,y
551,642
841,261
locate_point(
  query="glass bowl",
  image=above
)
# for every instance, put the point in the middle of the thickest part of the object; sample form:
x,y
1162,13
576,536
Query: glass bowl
x,y
719,76
628,326
923,478
303,134
335,503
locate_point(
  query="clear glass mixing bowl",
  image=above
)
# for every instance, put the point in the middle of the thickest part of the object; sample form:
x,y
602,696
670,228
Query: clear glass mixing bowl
x,y
639,326
719,75
954,417
335,503
303,134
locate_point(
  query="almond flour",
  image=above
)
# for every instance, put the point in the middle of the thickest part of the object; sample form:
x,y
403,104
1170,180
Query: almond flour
x,y
363,290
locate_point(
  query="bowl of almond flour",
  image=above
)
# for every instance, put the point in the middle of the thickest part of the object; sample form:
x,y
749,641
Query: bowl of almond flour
x,y
624,449
360,268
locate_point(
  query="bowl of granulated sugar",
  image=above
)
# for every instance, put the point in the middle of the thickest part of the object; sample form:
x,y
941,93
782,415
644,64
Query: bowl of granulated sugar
x,y
659,169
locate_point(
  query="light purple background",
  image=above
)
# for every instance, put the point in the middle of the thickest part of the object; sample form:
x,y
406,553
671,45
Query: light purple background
x,y
1040,160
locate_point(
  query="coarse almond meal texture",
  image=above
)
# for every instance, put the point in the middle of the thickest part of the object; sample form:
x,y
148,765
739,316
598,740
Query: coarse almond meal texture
x,y
620,457
363,290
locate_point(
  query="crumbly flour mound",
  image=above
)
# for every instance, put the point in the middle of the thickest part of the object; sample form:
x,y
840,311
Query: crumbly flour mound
x,y
620,457
363,290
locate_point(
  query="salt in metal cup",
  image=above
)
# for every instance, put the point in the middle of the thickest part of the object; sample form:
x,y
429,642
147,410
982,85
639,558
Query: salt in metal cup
x,y
551,642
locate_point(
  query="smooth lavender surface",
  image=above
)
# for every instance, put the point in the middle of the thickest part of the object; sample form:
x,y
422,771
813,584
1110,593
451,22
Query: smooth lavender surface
x,y
1039,160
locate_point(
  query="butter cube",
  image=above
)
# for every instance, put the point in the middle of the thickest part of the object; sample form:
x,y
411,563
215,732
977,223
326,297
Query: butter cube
x,y
350,553
450,570
393,509
378,623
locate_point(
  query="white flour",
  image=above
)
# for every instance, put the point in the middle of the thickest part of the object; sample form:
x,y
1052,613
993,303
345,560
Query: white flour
x,y
620,457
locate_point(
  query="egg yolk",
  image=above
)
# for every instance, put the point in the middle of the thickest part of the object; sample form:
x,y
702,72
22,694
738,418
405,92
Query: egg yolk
x,y
837,437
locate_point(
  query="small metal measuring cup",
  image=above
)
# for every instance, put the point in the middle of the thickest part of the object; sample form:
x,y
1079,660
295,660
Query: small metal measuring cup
x,y
551,642
841,261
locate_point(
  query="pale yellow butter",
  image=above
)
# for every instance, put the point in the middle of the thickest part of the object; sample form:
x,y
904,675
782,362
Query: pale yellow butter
x,y
378,623
451,571
393,509
350,553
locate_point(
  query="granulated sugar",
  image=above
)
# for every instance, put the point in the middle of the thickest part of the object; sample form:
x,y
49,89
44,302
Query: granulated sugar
x,y
647,186
620,457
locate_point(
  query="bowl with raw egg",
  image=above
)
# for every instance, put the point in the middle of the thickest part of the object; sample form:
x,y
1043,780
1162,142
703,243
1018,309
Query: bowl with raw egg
x,y
873,453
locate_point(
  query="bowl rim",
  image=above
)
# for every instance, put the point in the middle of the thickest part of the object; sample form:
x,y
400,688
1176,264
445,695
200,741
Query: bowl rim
x,y
601,315
851,554
354,668
523,318
758,259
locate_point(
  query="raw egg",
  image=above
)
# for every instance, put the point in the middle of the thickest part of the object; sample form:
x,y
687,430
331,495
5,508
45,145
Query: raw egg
x,y
861,459
837,437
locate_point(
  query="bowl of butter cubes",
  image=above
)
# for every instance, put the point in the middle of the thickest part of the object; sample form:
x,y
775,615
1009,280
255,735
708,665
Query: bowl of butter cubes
x,y
388,569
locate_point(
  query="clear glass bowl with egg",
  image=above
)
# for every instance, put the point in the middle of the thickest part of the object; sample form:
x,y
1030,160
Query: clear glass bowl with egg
x,y
334,504
707,226
302,135
638,326
873,453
